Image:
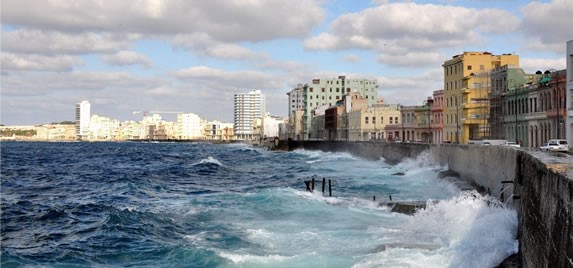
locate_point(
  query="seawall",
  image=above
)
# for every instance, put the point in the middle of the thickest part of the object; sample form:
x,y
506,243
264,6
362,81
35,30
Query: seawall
x,y
538,185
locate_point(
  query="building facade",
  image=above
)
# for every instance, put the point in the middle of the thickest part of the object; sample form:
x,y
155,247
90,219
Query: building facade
x,y
189,127
569,94
327,92
247,107
466,93
83,116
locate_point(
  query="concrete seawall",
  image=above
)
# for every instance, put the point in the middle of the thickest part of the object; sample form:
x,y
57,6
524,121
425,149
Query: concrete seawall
x,y
539,186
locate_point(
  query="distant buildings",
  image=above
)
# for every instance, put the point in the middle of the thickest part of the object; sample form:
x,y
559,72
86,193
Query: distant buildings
x,y
83,116
247,108
309,100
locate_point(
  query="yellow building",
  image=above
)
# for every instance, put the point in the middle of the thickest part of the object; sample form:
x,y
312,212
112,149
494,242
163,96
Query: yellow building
x,y
466,94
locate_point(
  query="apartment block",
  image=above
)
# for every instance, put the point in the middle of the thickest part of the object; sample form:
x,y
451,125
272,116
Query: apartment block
x,y
326,93
467,85
83,116
247,107
189,127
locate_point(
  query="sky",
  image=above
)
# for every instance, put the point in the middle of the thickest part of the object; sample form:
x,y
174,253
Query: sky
x,y
192,56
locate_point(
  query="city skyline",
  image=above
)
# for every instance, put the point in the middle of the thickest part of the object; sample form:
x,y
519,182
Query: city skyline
x,y
193,56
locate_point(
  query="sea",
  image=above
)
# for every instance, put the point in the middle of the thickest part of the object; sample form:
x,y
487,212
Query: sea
x,y
132,204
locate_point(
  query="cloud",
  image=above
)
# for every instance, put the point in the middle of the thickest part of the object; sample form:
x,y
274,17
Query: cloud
x,y
33,62
531,65
54,42
124,57
412,26
547,25
26,83
223,20
400,89
412,59
229,80
205,45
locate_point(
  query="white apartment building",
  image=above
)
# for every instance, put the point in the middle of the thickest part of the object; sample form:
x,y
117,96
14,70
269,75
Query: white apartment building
x,y
189,127
569,94
83,116
271,125
248,107
103,128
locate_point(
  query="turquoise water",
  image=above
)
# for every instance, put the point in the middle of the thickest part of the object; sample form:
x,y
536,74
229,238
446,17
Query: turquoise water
x,y
203,205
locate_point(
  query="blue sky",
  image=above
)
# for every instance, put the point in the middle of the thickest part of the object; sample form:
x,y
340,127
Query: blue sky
x,y
193,55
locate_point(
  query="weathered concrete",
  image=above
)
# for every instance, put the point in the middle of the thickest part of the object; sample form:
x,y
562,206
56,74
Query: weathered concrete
x,y
392,152
539,185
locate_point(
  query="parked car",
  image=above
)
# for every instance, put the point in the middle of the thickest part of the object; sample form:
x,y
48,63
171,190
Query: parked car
x,y
511,144
555,146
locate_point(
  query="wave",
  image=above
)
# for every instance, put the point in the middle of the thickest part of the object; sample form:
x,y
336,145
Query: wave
x,y
208,160
468,230
254,259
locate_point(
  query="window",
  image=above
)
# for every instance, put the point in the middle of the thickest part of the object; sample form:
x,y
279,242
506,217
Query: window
x,y
337,97
469,67
366,120
382,120
391,121
310,89
330,89
322,89
337,90
396,119
348,90
373,119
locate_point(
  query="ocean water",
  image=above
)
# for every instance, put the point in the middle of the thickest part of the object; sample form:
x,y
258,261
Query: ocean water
x,y
205,205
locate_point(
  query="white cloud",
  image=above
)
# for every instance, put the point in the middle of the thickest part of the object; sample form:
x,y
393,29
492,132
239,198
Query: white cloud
x,y
531,65
253,20
412,59
412,26
229,80
125,57
33,62
547,25
410,90
53,42
26,83
203,44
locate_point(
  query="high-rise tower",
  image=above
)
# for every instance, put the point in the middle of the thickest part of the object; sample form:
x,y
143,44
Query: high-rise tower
x,y
248,107
83,114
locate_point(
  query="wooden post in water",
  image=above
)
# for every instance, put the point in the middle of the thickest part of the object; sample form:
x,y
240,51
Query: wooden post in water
x,y
329,188
323,184
307,183
312,184
373,198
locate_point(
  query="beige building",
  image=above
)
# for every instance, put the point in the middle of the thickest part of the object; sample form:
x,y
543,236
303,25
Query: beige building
x,y
370,123
466,93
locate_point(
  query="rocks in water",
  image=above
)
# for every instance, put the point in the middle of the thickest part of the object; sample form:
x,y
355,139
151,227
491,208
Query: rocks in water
x,y
448,173
385,247
399,174
407,207
510,262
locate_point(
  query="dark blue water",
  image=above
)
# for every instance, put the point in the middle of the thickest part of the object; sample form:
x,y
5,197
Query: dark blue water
x,y
204,205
